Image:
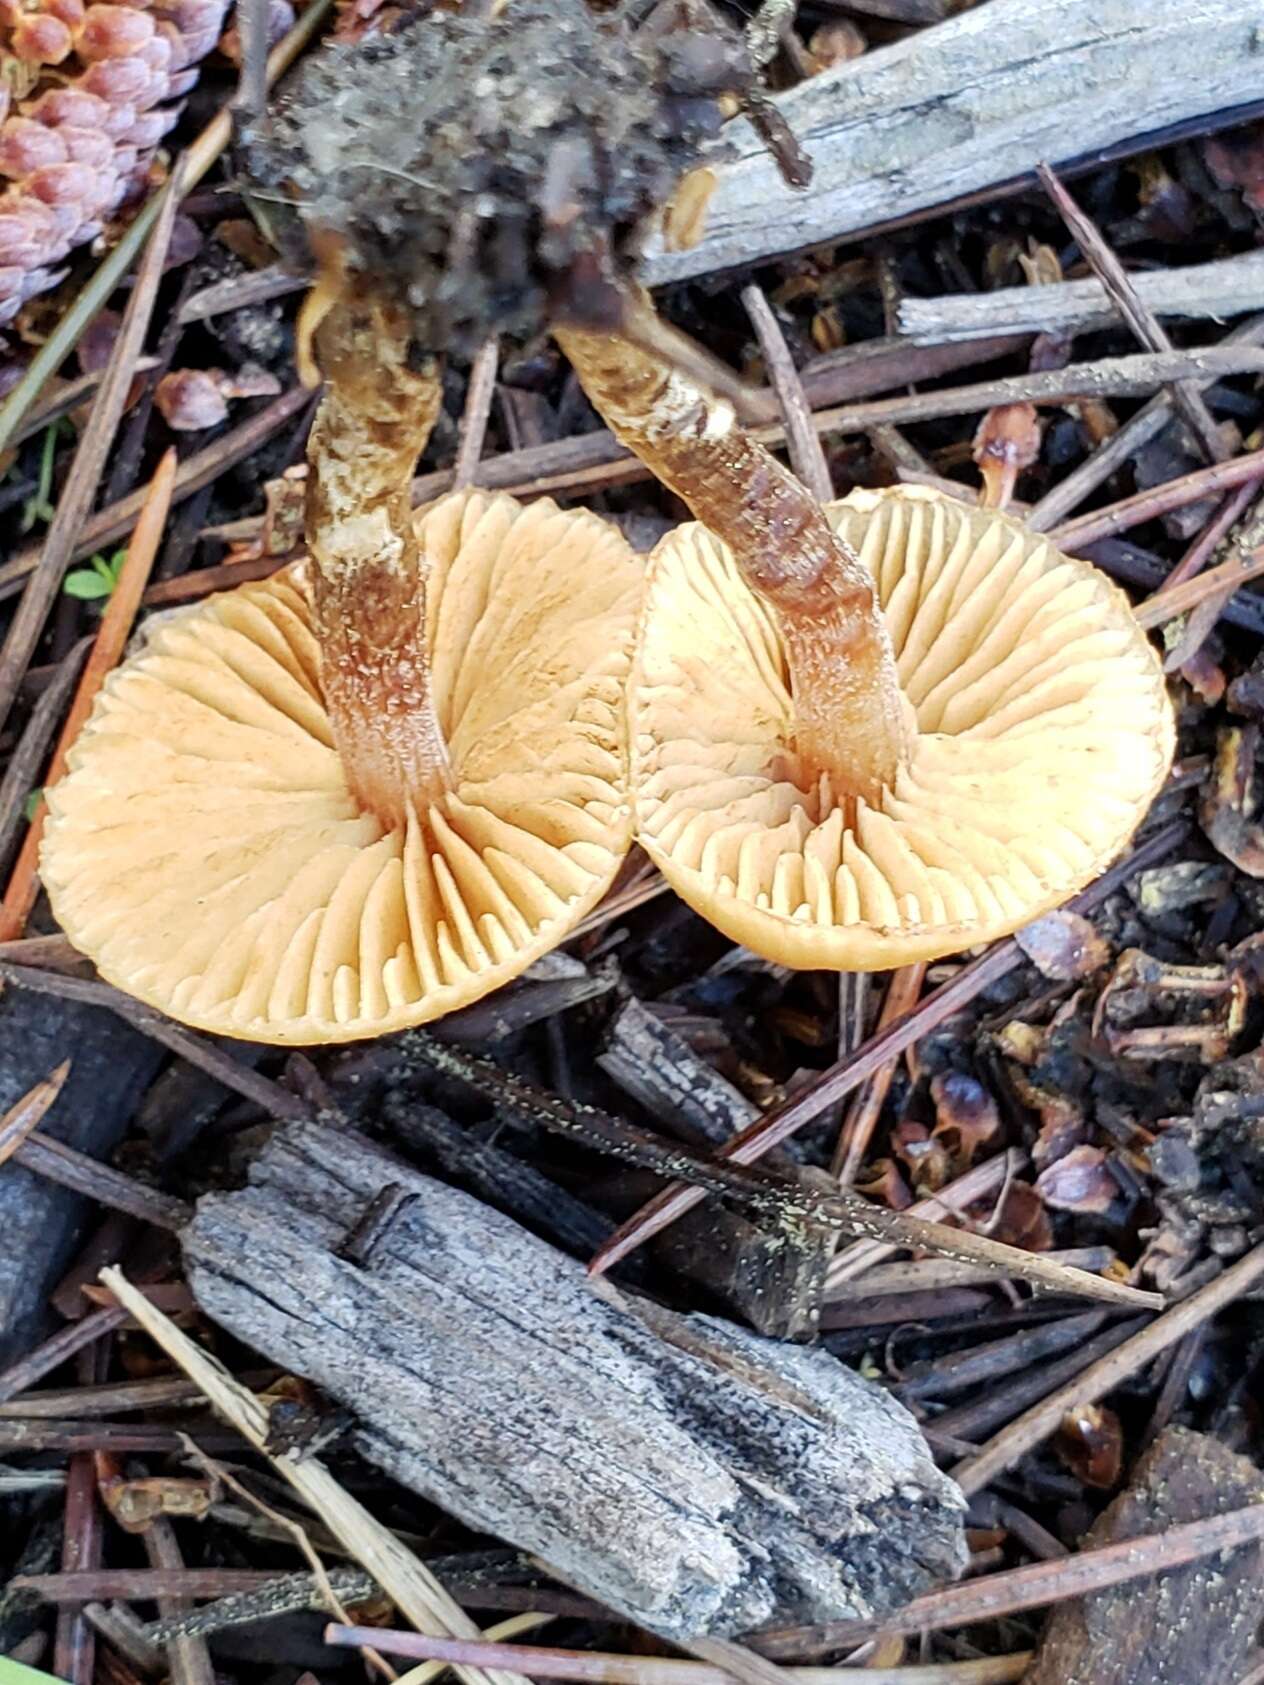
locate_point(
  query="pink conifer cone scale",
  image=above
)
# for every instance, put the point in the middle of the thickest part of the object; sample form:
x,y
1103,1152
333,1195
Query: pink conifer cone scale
x,y
86,94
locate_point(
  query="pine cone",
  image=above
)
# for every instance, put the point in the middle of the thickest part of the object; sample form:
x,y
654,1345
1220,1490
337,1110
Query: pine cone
x,y
76,140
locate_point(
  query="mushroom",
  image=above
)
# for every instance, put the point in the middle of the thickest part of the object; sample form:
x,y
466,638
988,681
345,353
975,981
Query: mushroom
x,y
875,734
860,739
376,786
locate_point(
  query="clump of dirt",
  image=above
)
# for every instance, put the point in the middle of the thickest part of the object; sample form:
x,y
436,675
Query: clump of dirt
x,y
489,173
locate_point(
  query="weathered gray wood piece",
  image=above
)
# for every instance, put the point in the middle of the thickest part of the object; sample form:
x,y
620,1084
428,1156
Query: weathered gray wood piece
x,y
110,1064
773,1280
1232,286
489,1172
1187,1625
705,1482
967,105
657,1067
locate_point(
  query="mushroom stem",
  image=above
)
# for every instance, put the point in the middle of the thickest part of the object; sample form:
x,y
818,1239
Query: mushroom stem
x,y
368,591
849,714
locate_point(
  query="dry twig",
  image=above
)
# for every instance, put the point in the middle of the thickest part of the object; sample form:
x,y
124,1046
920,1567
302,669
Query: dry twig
x,y
803,442
1186,394
90,457
595,1668
1039,1583
107,651
1037,1424
478,406
276,1101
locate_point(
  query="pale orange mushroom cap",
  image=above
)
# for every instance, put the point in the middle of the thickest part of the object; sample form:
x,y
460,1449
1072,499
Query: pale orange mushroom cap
x,y
1039,732
205,849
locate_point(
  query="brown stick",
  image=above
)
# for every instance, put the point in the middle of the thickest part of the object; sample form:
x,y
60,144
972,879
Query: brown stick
x,y
862,1116
478,405
143,1584
27,759
1203,618
85,474
1036,1424
849,723
1179,599
592,1667
188,1658
113,1398
29,1112
84,1175
984,1181
74,1643
803,442
111,640
67,396
1140,318
725,1175
1075,536
53,1352
1196,557
266,1094
47,953
1038,1583
108,525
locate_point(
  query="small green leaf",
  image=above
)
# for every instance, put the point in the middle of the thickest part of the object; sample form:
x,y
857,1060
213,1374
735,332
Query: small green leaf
x,y
33,803
17,1673
97,580
86,584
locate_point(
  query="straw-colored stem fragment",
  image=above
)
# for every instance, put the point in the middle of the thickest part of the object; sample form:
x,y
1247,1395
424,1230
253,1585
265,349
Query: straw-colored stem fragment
x,y
369,596
849,724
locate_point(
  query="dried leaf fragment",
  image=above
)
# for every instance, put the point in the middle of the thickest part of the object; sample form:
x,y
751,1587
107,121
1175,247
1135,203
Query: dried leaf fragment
x,y
1227,808
685,215
1090,1442
887,1185
1238,162
1078,1181
965,1115
134,1504
1019,1220
1153,1010
925,1159
1063,946
837,42
190,400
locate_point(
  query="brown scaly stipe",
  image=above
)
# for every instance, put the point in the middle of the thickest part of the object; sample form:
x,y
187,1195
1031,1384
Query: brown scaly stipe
x,y
368,589
849,717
